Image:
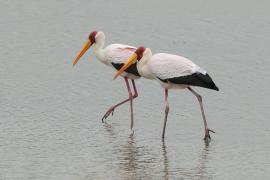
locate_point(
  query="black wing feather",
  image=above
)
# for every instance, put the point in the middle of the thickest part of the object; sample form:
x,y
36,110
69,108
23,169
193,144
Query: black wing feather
x,y
196,79
131,69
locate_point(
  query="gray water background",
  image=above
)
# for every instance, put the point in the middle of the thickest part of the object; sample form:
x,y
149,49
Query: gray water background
x,y
50,113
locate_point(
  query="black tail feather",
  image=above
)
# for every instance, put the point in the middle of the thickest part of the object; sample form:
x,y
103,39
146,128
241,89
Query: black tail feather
x,y
196,79
207,81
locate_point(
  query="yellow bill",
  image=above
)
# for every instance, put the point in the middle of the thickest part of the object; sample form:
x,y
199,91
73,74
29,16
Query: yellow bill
x,y
86,46
131,60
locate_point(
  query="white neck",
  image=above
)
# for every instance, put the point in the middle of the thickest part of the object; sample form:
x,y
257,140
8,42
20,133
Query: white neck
x,y
142,65
98,47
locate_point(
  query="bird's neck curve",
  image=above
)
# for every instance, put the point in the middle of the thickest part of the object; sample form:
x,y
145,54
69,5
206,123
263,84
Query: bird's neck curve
x,y
98,48
142,66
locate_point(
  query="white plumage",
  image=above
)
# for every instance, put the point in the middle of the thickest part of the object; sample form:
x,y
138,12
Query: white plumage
x,y
165,66
118,53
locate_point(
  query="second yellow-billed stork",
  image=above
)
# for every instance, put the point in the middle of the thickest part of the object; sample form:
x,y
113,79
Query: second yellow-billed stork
x,y
172,72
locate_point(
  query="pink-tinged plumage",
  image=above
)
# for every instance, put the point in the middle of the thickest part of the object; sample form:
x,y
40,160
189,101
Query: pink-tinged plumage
x,y
132,49
165,66
118,53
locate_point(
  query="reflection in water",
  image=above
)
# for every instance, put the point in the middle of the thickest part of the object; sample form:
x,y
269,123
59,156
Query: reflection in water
x,y
202,168
202,172
110,129
199,172
134,161
130,160
128,156
146,162
165,161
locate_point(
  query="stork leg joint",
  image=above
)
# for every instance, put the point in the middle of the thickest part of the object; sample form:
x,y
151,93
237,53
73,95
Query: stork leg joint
x,y
135,95
167,109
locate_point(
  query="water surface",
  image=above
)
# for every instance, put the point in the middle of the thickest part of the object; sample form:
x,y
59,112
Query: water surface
x,y
51,113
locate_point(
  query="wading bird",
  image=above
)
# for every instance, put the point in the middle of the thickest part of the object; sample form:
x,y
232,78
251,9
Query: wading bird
x,y
172,72
113,55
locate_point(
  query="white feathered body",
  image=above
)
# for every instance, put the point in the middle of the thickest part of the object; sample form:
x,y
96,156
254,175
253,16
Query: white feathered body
x,y
113,54
170,70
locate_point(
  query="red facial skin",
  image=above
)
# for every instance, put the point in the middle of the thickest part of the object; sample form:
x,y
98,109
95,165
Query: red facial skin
x,y
92,37
139,52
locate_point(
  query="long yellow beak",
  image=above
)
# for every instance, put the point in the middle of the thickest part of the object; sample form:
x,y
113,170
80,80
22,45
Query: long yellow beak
x,y
131,60
86,46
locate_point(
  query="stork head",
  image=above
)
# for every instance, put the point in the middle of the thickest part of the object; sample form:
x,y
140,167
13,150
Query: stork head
x,y
139,52
91,40
92,37
136,56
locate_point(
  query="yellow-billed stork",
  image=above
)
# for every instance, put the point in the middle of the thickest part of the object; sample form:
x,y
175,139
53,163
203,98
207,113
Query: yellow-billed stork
x,y
172,72
113,55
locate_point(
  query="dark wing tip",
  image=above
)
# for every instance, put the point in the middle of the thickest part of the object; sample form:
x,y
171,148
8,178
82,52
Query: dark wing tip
x,y
213,86
207,81
216,88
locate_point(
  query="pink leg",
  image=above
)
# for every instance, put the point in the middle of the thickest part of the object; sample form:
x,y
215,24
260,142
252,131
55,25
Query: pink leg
x,y
166,113
207,130
131,104
134,88
111,109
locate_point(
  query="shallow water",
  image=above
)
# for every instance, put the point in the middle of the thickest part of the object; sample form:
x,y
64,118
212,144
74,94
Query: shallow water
x,y
51,113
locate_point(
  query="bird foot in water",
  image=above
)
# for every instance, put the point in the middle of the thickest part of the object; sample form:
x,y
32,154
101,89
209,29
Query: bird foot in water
x,y
132,133
207,137
107,114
